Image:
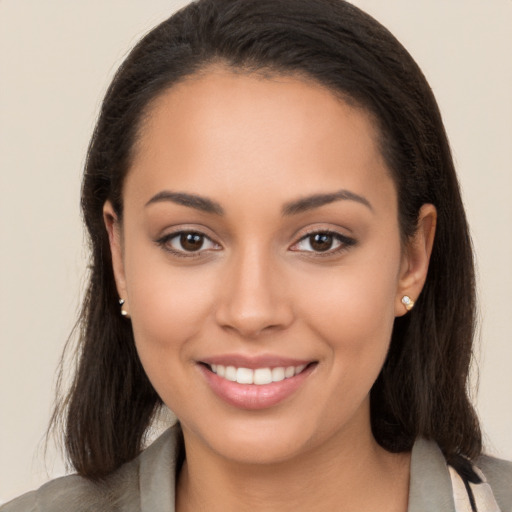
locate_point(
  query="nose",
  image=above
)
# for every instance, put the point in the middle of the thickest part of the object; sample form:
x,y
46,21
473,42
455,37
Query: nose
x,y
254,297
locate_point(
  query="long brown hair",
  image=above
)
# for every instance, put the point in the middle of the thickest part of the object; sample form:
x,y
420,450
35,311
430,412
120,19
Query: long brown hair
x,y
422,388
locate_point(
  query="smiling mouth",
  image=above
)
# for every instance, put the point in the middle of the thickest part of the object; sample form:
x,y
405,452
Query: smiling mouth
x,y
257,376
258,387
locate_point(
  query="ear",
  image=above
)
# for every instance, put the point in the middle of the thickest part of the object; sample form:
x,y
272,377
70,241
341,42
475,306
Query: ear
x,y
416,258
113,227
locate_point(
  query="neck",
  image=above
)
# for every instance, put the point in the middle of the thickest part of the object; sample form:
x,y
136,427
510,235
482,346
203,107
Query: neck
x,y
349,473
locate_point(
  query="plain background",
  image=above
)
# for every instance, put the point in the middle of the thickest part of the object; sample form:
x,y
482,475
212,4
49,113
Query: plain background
x,y
56,59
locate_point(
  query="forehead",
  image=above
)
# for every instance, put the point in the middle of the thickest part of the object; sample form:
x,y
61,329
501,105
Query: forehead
x,y
230,130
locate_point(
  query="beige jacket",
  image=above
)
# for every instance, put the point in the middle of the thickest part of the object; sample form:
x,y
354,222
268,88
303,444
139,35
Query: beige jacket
x,y
147,484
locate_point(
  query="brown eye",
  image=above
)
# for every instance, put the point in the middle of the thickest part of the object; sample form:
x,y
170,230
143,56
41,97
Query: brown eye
x,y
191,241
186,243
321,242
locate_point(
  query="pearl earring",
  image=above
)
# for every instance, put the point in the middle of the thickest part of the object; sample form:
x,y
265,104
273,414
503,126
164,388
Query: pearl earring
x,y
407,302
123,311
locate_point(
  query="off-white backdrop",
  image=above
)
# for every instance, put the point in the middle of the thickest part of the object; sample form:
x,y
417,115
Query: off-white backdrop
x,y
56,58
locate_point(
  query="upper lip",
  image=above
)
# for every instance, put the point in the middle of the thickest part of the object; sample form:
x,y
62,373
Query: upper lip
x,y
254,362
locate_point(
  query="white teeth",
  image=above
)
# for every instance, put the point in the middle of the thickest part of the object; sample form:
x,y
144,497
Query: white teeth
x,y
262,376
244,376
289,372
259,376
230,373
277,374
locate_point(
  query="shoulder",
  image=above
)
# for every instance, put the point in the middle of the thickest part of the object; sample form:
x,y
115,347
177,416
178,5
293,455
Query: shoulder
x,y
433,487
140,484
498,474
77,494
67,493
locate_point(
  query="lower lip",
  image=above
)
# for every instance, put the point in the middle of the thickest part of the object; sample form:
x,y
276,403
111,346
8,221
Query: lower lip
x,y
252,396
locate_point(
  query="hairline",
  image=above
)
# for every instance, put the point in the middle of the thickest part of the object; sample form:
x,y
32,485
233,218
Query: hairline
x,y
264,73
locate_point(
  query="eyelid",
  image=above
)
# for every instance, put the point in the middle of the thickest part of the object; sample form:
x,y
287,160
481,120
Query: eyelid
x,y
345,242
164,241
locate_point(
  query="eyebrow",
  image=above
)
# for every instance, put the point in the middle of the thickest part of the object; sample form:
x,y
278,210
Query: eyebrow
x,y
191,200
317,200
301,205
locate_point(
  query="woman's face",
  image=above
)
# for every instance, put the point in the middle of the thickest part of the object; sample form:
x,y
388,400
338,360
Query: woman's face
x,y
260,243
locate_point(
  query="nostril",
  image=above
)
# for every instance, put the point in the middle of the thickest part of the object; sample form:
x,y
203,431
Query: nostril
x,y
252,304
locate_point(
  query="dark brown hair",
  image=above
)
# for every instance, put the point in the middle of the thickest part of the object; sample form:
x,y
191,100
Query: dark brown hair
x,y
422,388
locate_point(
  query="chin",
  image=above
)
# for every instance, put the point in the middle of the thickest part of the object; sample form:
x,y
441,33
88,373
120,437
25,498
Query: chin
x,y
263,439
267,448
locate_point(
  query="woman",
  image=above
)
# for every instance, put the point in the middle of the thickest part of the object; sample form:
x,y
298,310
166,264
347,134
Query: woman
x,y
280,255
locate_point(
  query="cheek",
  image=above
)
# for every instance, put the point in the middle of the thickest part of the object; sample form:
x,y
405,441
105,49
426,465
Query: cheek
x,y
168,304
361,298
168,309
353,309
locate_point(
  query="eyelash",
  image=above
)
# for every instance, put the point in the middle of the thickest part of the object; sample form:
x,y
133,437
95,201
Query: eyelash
x,y
166,239
344,241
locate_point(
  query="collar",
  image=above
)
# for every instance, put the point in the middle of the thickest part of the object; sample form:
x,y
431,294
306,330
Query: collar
x,y
430,488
